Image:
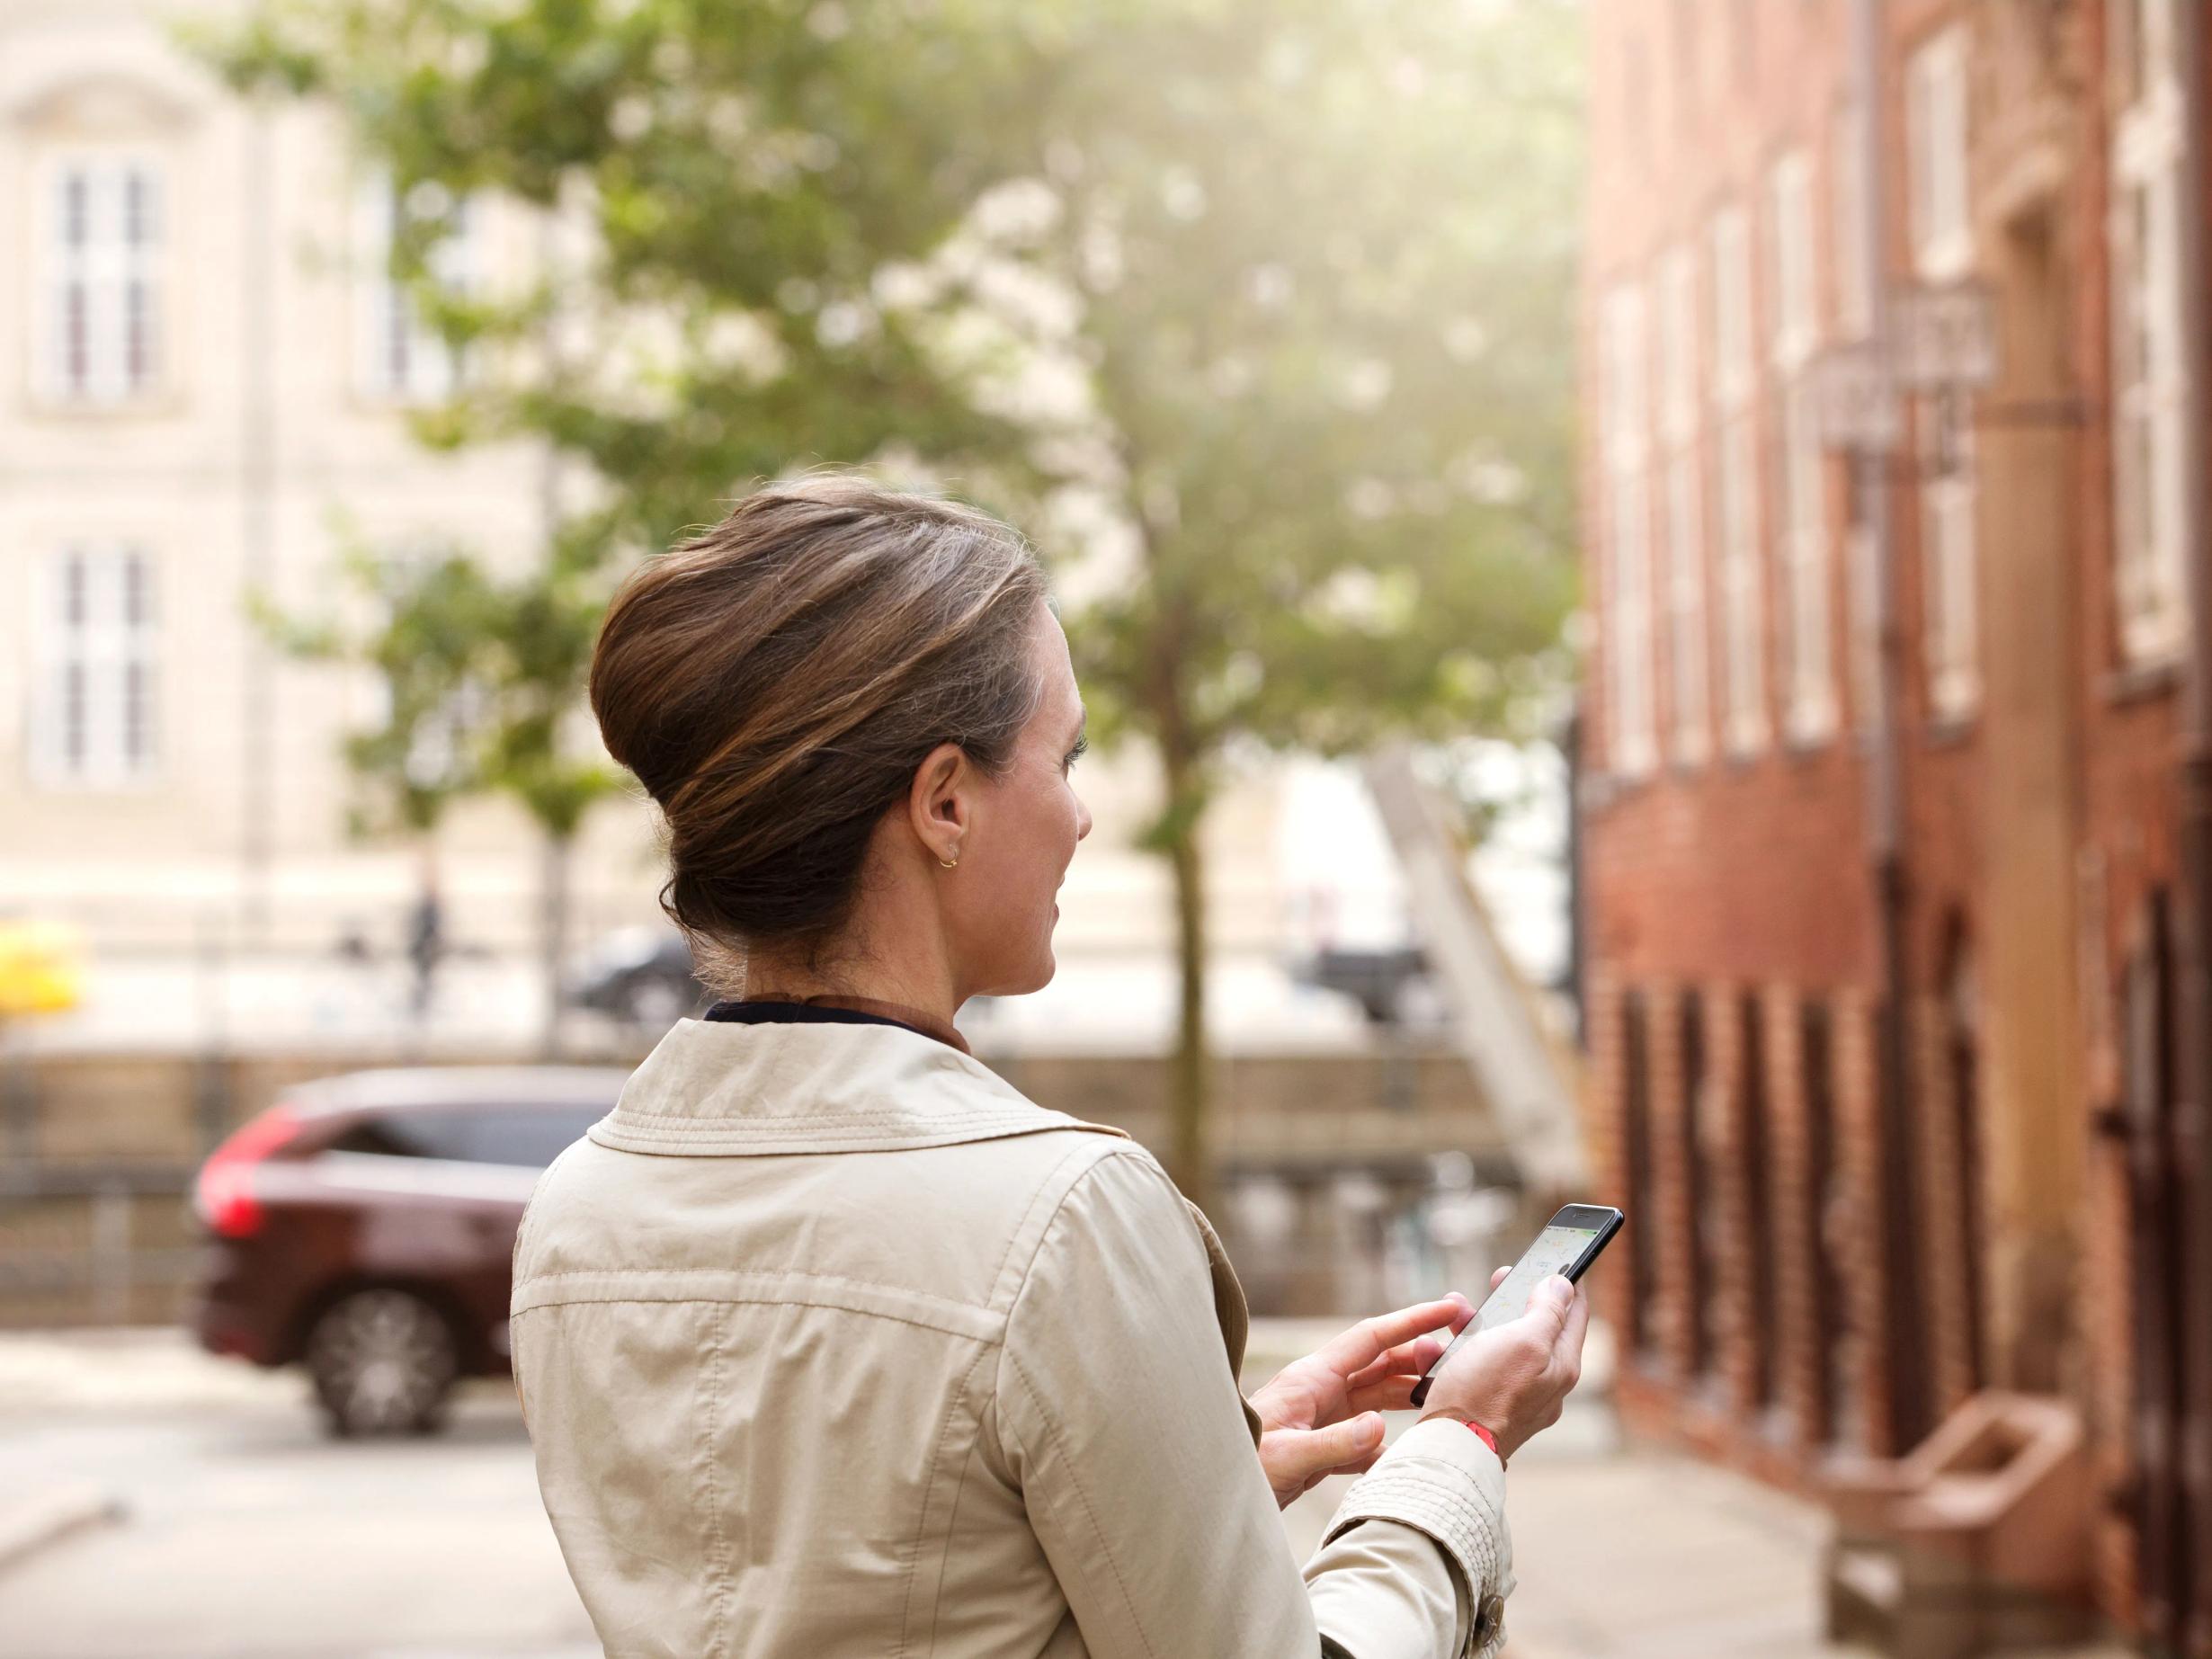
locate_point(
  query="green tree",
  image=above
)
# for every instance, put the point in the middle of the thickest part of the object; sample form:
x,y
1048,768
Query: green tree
x,y
720,189
537,748
416,624
482,680
1325,255
1310,262
728,184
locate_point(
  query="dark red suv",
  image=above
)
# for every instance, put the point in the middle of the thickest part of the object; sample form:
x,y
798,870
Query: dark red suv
x,y
364,1226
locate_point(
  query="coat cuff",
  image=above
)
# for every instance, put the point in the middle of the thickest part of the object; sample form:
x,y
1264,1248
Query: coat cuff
x,y
1442,1481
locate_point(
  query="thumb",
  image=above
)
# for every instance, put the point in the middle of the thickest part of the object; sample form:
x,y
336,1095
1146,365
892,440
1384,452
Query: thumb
x,y
1549,1304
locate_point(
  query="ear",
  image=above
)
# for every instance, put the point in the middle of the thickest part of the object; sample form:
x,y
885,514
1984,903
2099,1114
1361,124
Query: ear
x,y
940,804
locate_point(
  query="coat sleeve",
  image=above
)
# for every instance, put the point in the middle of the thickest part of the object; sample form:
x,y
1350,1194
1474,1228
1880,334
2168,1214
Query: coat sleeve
x,y
1118,1417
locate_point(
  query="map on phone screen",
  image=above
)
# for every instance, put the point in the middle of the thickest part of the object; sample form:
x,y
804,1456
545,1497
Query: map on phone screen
x,y
1554,1252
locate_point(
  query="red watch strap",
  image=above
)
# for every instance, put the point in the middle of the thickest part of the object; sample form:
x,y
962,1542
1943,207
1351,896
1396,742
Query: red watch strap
x,y
1488,1439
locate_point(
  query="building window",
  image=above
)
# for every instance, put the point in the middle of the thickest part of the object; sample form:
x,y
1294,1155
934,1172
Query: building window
x,y
1854,310
1684,505
1963,1024
1805,565
1627,573
93,722
1756,1245
1802,531
1636,1156
1797,320
1825,1201
2150,475
2161,1393
1736,480
101,336
1936,145
1703,1310
1936,157
402,358
1950,642
2141,50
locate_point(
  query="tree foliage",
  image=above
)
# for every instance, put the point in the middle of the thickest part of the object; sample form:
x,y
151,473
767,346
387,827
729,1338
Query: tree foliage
x,y
1326,253
480,679
728,181
1307,263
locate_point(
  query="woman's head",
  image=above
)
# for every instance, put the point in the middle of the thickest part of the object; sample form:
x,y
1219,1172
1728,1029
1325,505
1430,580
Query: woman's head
x,y
856,710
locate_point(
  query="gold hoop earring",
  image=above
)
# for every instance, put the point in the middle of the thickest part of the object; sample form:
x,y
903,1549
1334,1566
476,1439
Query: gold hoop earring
x,y
949,863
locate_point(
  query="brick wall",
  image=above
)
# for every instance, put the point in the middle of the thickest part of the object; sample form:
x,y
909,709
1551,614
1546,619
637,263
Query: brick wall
x,y
1750,878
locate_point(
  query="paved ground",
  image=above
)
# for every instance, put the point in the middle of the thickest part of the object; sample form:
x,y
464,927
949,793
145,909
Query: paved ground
x,y
248,1536
1621,1553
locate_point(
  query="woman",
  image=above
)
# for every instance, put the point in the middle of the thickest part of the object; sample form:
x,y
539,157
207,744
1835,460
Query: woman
x,y
830,1342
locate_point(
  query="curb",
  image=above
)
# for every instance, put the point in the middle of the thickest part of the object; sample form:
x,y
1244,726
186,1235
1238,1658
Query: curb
x,y
26,1528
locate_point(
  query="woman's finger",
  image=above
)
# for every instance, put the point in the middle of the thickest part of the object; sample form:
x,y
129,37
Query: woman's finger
x,y
1416,1356
1386,1394
1294,1457
1357,1349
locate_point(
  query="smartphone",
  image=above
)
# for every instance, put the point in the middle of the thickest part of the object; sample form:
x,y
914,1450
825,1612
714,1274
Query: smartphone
x,y
1568,1245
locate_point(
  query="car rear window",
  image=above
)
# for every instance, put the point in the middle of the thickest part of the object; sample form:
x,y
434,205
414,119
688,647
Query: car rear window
x,y
523,1137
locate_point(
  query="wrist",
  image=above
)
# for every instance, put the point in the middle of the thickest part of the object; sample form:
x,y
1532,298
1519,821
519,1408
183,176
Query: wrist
x,y
1454,1414
1486,1438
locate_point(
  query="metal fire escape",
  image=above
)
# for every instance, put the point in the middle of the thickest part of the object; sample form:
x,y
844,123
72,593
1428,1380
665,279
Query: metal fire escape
x,y
1525,1072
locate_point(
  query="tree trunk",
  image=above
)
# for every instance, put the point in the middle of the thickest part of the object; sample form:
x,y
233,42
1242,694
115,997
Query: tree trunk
x,y
1183,813
554,940
1188,1154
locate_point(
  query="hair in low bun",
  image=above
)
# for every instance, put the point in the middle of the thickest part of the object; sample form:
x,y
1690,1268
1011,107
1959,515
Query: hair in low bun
x,y
775,682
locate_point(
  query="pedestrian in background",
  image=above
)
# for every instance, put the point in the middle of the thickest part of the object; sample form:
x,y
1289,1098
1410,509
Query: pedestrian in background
x,y
829,1341
425,941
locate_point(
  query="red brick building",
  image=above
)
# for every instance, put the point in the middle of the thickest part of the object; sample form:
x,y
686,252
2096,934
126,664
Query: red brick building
x,y
1910,719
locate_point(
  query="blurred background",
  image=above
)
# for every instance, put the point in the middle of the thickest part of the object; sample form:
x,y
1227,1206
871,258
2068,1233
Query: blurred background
x,y
1640,570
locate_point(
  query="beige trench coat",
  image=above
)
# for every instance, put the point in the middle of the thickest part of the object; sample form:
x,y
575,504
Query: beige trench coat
x,y
832,1343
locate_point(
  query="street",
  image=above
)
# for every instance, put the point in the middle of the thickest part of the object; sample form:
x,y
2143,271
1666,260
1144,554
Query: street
x,y
246,1534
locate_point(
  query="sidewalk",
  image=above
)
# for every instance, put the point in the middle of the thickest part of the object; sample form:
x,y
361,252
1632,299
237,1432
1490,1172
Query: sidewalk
x,y
1628,1552
246,1534
1654,1555
1621,1553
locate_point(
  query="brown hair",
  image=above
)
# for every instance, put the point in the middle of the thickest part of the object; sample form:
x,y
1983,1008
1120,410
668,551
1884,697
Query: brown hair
x,y
775,682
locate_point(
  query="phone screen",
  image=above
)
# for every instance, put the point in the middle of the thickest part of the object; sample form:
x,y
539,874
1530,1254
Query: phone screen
x,y
1573,1237
1556,1249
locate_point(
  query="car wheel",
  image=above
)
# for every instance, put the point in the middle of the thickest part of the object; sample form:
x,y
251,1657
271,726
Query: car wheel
x,y
383,1362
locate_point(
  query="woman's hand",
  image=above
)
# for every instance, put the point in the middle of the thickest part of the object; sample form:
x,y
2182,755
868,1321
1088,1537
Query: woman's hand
x,y
1321,1416
1514,1379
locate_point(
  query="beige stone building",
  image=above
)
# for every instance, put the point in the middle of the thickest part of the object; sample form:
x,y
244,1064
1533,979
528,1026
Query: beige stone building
x,y
204,378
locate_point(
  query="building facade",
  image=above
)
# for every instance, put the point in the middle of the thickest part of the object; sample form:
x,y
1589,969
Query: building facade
x,y
208,376
206,380
1882,809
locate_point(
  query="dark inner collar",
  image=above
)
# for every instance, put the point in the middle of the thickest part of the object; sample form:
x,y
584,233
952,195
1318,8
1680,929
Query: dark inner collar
x,y
834,1011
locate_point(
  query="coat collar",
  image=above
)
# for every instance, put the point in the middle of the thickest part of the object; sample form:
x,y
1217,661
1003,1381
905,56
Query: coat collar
x,y
734,1091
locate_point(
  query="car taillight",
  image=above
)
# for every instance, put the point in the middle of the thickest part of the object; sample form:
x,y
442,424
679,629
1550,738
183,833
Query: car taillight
x,y
225,1194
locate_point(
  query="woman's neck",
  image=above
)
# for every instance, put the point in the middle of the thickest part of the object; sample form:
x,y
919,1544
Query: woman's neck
x,y
894,949
917,983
